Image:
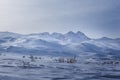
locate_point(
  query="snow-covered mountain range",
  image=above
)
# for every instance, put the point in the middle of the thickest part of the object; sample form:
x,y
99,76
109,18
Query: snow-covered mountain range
x,y
57,44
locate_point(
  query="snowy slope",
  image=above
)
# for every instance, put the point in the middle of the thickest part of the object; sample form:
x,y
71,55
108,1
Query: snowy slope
x,y
56,44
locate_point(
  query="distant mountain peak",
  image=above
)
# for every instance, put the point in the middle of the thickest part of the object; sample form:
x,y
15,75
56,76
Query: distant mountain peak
x,y
80,33
70,33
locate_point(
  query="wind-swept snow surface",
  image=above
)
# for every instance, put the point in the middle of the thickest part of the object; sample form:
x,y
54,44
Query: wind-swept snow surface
x,y
24,67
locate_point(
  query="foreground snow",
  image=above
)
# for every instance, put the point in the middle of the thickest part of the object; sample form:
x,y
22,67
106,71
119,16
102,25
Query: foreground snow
x,y
46,68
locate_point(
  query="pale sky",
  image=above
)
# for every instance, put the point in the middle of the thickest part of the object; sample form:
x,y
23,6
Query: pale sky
x,y
95,18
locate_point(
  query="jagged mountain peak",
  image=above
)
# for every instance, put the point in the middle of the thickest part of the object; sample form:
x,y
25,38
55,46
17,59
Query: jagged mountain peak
x,y
80,33
70,33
